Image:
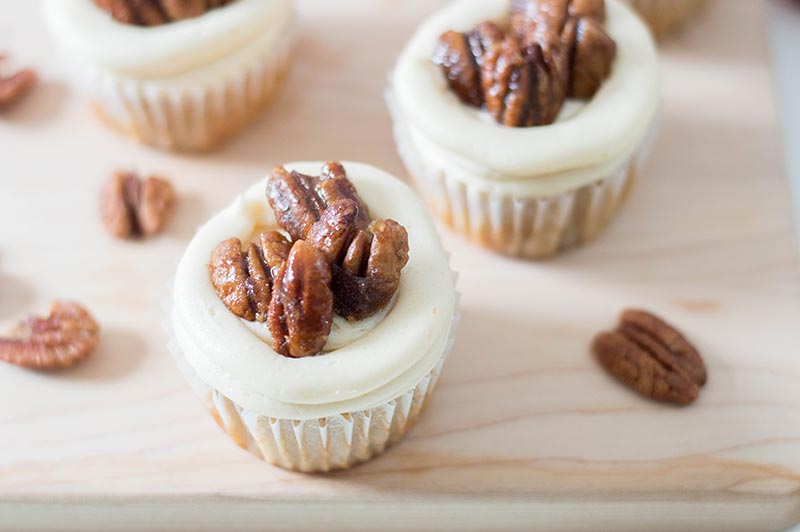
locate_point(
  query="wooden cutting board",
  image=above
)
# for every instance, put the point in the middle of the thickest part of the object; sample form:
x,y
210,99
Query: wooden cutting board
x,y
526,431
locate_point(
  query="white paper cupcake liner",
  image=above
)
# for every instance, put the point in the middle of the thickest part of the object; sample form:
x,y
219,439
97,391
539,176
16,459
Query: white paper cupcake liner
x,y
196,118
320,444
664,16
528,227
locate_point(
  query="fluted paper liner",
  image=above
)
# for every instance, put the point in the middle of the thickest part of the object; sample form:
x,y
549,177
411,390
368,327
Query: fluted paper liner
x,y
665,16
319,444
529,227
186,119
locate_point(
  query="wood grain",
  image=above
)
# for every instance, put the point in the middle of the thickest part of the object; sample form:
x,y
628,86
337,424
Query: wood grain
x,y
526,431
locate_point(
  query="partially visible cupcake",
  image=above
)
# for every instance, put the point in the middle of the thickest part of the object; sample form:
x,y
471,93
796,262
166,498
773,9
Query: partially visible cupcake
x,y
523,122
176,74
666,16
315,327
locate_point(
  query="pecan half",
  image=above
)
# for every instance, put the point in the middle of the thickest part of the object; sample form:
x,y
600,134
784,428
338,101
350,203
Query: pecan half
x,y
301,310
64,338
243,279
14,86
652,357
293,197
554,49
157,12
132,207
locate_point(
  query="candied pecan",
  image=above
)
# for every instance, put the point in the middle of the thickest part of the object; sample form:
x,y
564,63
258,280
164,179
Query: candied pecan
x,y
157,12
14,86
333,232
592,57
132,207
335,186
64,338
454,55
293,197
652,357
359,294
301,310
243,279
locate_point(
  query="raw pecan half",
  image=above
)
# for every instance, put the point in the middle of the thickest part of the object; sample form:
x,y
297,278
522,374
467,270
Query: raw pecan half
x,y
301,310
131,207
243,279
157,12
64,338
554,49
14,86
652,357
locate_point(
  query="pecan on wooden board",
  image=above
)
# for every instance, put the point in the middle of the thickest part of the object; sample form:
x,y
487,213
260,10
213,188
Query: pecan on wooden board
x,y
64,338
14,86
157,12
651,357
554,49
301,310
131,207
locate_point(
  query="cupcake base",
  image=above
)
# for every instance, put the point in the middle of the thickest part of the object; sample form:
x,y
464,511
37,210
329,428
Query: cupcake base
x,y
315,445
532,227
665,16
188,119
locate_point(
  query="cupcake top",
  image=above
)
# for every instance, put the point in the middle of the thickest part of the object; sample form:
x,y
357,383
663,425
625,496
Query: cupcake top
x,y
381,337
602,130
85,30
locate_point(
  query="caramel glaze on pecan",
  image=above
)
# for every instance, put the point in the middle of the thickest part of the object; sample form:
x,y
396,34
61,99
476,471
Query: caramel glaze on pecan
x,y
157,12
339,260
554,49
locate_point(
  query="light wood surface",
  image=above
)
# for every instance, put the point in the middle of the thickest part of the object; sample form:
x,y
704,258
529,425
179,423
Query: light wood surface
x,y
526,431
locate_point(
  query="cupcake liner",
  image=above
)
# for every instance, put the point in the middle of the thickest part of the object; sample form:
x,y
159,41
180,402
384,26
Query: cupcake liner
x,y
319,444
665,16
528,227
193,118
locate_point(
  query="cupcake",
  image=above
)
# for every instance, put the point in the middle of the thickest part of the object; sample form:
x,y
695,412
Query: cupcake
x,y
314,321
524,122
665,16
179,75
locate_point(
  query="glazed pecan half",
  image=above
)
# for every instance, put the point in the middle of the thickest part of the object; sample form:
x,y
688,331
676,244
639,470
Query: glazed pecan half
x,y
64,338
554,49
301,310
652,357
243,278
157,12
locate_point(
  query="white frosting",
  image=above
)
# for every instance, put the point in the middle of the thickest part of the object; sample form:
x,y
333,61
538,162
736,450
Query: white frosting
x,y
171,50
580,147
382,360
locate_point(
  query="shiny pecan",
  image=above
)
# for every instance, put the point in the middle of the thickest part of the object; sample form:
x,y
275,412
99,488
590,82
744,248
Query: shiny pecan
x,y
301,310
294,198
14,86
131,207
369,275
652,357
157,12
62,339
243,279
554,49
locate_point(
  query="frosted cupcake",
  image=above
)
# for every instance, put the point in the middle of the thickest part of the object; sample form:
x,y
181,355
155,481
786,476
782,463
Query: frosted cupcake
x,y
315,327
665,16
523,123
175,74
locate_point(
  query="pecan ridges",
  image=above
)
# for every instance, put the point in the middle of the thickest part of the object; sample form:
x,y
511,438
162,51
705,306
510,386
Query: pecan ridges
x,y
652,357
134,207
